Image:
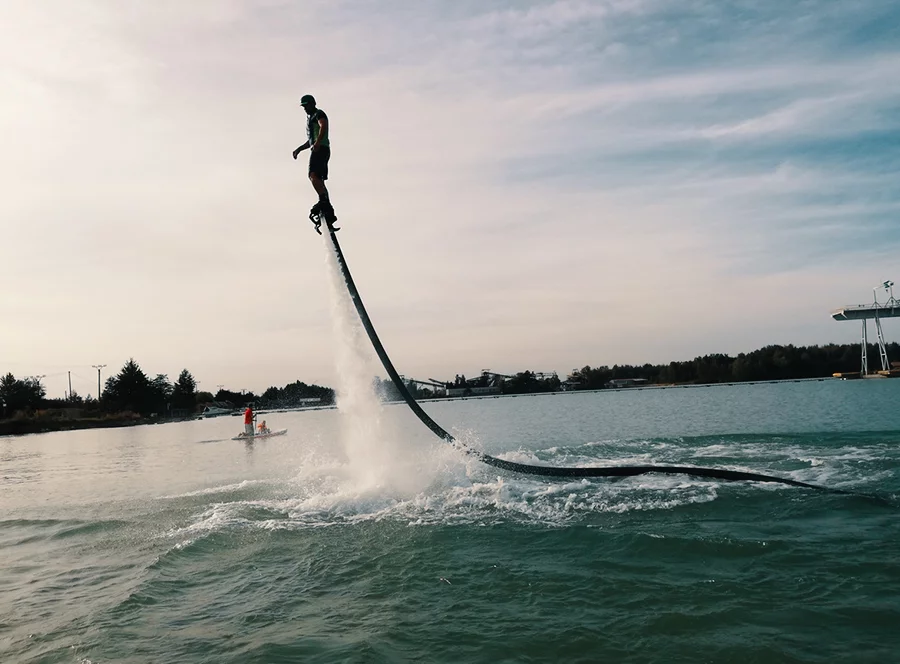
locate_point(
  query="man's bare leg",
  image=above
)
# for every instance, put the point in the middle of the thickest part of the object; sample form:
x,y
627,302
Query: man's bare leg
x,y
319,186
324,204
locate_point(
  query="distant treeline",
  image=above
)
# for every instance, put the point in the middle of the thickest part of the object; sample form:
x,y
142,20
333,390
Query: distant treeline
x,y
293,394
133,391
769,363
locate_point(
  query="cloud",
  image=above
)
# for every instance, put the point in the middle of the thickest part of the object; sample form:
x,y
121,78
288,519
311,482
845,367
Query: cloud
x,y
523,185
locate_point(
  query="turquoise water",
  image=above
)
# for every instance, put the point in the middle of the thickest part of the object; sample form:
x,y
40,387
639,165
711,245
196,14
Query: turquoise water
x,y
173,543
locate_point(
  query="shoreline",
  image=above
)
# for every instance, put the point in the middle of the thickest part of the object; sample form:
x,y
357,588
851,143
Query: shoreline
x,y
26,426
33,425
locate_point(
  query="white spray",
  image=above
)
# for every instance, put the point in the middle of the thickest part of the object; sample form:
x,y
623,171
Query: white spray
x,y
377,457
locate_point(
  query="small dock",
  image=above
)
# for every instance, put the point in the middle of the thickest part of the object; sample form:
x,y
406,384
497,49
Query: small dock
x,y
854,375
868,311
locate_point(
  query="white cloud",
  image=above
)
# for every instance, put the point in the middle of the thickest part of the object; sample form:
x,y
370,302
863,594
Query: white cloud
x,y
505,203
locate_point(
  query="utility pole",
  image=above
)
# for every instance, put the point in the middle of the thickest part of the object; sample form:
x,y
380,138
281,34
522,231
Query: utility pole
x,y
98,367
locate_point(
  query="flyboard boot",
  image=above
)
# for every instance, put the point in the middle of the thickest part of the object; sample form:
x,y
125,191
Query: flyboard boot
x,y
323,211
330,216
315,216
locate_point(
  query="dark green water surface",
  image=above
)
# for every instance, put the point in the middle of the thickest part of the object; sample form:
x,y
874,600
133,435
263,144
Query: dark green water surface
x,y
358,541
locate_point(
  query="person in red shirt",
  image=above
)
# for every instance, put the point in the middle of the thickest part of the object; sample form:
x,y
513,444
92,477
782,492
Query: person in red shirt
x,y
248,421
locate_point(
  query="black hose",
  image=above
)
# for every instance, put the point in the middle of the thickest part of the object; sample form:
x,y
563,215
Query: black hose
x,y
528,469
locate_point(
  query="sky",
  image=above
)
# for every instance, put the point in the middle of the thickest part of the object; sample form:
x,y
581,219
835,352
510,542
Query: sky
x,y
521,185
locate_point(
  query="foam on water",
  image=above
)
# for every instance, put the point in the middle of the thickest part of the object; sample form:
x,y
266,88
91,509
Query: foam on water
x,y
372,473
454,490
450,489
226,488
335,501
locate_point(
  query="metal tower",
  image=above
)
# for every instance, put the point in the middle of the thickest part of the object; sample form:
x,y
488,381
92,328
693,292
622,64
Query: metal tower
x,y
876,311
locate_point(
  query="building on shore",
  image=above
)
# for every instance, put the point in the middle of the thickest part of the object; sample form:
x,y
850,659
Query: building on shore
x,y
617,383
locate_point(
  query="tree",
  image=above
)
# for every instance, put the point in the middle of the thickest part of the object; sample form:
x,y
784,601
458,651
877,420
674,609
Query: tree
x,y
9,393
20,394
526,382
184,392
130,389
238,399
160,394
293,394
385,389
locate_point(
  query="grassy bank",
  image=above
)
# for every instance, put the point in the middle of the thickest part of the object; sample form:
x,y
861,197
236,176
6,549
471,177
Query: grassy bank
x,y
42,421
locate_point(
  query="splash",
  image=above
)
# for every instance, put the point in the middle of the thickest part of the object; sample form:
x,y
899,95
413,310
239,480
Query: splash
x,y
376,454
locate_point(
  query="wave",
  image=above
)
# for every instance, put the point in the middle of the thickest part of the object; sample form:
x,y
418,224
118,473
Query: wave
x,y
441,486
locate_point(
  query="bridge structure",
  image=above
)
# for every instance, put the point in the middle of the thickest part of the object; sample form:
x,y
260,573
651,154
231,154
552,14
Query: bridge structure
x,y
875,311
436,386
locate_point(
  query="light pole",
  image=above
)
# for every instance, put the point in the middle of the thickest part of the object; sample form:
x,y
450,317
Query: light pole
x,y
887,287
98,367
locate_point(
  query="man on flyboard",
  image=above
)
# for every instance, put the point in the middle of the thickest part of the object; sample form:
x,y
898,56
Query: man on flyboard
x,y
317,134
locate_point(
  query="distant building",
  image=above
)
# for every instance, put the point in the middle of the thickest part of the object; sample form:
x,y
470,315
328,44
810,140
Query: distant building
x,y
217,408
626,382
472,391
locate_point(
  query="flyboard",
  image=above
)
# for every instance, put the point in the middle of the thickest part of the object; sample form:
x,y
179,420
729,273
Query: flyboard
x,y
260,436
523,468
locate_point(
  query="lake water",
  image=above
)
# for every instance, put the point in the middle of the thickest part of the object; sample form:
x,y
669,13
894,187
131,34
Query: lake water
x,y
367,540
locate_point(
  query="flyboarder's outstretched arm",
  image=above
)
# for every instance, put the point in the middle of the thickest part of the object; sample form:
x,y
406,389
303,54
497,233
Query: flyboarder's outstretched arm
x,y
303,147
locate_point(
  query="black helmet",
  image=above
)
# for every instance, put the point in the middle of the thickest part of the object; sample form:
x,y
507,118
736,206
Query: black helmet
x,y
307,100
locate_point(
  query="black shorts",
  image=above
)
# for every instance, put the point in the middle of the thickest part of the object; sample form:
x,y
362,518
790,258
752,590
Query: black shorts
x,y
318,162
